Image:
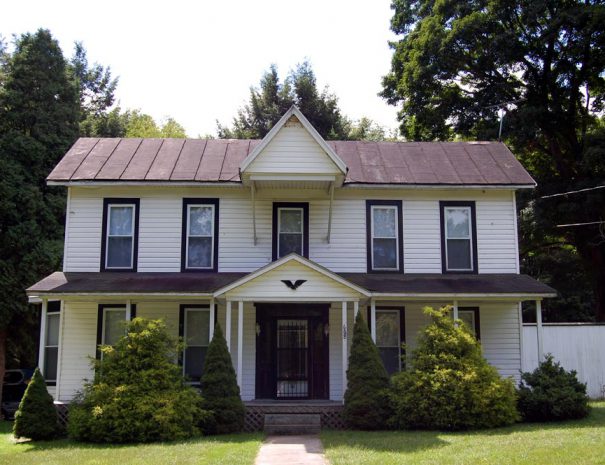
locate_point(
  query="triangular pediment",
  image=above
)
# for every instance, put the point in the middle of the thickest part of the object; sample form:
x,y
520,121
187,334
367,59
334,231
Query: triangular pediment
x,y
293,147
292,278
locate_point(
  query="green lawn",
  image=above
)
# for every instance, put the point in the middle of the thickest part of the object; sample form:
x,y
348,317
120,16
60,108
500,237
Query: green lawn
x,y
218,450
581,442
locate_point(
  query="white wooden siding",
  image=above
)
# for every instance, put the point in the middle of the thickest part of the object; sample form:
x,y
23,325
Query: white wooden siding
x,y
293,150
161,228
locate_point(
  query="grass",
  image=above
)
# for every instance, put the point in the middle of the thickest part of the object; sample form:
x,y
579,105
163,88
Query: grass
x,y
218,450
581,441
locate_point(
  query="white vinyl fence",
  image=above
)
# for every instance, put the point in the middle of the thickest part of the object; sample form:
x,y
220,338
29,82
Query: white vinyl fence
x,y
577,346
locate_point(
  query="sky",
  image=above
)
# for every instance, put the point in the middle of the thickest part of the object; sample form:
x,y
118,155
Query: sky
x,y
196,60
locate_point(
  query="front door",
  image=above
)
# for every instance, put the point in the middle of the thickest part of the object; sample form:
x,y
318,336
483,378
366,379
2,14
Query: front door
x,y
292,351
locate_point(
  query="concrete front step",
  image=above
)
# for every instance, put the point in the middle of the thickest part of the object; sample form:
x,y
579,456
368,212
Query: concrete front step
x,y
292,423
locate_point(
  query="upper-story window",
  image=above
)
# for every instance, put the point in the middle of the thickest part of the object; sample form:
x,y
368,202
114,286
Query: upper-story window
x,y
120,235
290,229
200,235
384,235
458,237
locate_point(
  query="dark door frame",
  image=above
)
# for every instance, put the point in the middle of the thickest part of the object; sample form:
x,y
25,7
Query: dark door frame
x,y
267,315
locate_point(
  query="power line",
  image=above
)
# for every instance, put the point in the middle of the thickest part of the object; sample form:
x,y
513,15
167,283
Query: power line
x,y
572,192
579,224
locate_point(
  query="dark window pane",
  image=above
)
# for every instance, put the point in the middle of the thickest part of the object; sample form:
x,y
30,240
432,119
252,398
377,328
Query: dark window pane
x,y
194,362
459,254
52,329
387,329
385,253
119,252
200,252
50,363
289,243
290,221
390,359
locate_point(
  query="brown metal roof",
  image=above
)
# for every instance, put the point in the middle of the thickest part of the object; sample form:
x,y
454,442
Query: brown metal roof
x,y
218,160
135,283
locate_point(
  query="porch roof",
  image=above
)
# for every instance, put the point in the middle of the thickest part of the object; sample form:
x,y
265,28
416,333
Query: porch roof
x,y
205,284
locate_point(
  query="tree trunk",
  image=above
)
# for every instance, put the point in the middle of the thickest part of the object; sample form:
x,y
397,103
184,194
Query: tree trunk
x,y
3,334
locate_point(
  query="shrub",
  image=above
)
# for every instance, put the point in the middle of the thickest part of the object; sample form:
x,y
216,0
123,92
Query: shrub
x,y
220,389
550,393
36,417
366,401
450,385
138,394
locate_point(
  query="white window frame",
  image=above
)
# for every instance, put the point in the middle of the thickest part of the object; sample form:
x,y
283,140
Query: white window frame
x,y
385,207
188,235
185,312
111,309
470,237
302,229
107,235
397,312
46,316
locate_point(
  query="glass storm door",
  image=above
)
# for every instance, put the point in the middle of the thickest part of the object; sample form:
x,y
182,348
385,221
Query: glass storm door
x,y
292,359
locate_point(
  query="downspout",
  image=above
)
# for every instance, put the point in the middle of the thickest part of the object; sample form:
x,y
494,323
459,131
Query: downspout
x,y
330,211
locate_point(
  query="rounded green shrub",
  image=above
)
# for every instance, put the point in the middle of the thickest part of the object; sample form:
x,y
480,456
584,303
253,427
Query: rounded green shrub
x,y
366,400
36,417
550,393
450,385
220,389
138,394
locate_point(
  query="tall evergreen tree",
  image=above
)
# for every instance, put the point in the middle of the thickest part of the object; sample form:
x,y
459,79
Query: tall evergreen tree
x,y
458,62
38,123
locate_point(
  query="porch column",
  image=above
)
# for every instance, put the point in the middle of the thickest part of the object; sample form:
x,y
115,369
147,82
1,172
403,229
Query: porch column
x,y
42,335
356,307
539,330
228,325
212,322
455,312
345,348
240,342
373,319
128,310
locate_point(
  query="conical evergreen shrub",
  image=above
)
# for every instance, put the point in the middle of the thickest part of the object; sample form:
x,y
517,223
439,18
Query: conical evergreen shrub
x,y
219,388
366,404
37,416
450,385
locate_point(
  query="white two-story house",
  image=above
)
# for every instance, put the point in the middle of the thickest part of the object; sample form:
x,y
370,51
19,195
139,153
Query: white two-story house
x,y
282,241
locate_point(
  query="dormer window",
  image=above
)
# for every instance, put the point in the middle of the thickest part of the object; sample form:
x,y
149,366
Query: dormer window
x,y
458,237
120,230
200,235
290,229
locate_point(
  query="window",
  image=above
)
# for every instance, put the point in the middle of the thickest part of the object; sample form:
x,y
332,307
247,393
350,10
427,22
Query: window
x,y
51,342
470,317
458,237
290,229
120,231
110,324
385,239
194,328
200,235
390,335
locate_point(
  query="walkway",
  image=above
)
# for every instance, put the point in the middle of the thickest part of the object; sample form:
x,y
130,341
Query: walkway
x,y
291,450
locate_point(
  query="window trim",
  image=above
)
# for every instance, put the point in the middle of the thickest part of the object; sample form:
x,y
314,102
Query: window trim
x,y
107,203
101,321
191,201
369,238
401,310
443,204
275,226
53,312
477,319
183,309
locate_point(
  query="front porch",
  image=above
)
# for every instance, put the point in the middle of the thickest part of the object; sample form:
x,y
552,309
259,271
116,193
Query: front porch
x,y
329,411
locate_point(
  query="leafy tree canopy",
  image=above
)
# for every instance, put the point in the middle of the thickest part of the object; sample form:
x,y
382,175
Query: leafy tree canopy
x,y
542,61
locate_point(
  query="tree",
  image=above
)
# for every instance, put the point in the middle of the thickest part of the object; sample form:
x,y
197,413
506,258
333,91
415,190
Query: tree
x,y
449,384
36,417
139,393
458,62
271,100
366,404
220,389
38,123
